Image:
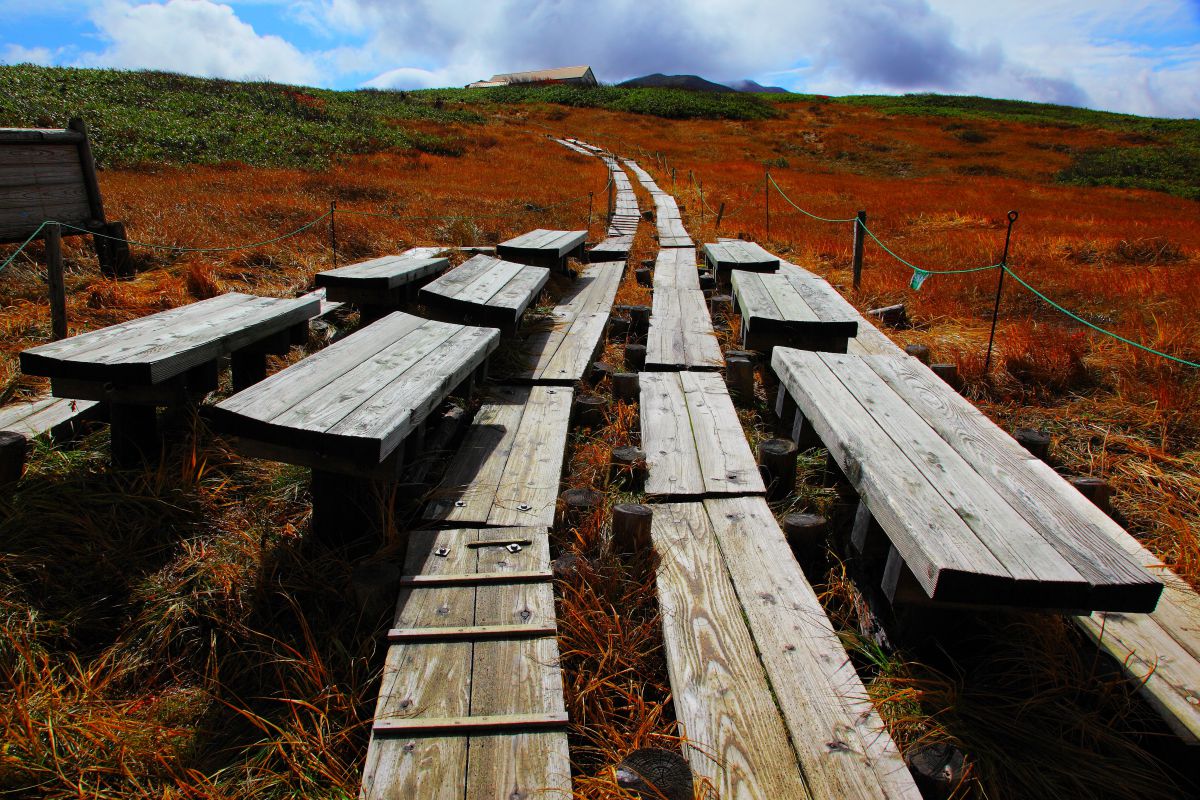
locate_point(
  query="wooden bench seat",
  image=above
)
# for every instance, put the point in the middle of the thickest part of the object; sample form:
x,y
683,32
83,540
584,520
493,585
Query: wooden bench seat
x,y
972,517
693,439
487,291
769,699
544,248
508,469
781,309
58,418
729,254
381,283
471,701
563,354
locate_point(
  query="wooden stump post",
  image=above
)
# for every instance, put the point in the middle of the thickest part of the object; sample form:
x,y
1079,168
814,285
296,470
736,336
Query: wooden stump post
x,y
777,462
708,282
626,386
14,449
575,506
1098,490
643,276
949,374
58,289
134,434
588,411
739,374
654,772
635,356
112,251
598,371
618,328
805,534
631,528
720,307
1035,441
893,316
918,351
639,320
859,235
628,463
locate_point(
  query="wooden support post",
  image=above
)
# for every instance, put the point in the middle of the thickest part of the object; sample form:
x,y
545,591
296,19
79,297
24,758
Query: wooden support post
x,y
806,534
14,449
649,263
635,357
639,320
785,408
918,351
575,506
803,434
626,386
618,328
655,772
767,199
1035,441
112,251
739,375
860,233
1098,490
58,288
777,462
720,214
631,528
588,411
948,373
720,307
610,199
134,434
347,508
866,536
644,277
598,371
333,232
249,366
589,224
628,464
708,282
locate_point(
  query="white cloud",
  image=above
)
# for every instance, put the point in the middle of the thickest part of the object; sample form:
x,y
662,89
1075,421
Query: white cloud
x,y
16,54
198,37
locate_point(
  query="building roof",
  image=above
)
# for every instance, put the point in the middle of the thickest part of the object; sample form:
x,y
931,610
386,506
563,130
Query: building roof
x,y
557,74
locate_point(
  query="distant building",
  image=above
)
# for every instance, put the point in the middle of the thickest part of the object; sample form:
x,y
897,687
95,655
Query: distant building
x,y
581,76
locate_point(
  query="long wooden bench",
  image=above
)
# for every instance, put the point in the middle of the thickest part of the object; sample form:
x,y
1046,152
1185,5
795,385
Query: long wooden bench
x,y
681,335
693,439
544,248
486,291
471,703
781,309
381,284
349,409
730,254
58,418
971,516
771,704
508,469
563,353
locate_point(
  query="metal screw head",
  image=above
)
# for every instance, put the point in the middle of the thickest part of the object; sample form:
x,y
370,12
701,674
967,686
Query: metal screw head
x,y
442,551
513,547
524,507
460,503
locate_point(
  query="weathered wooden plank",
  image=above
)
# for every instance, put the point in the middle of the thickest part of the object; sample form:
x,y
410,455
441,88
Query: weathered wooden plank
x,y
488,287
672,461
49,415
843,747
676,269
471,633
943,553
736,254
681,334
558,243
382,273
721,694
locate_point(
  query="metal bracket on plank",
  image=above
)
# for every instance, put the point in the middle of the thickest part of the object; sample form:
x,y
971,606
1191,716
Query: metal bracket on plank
x,y
472,633
478,578
505,543
466,726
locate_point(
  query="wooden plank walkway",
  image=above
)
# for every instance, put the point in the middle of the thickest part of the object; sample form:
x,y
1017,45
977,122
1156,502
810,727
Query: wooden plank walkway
x,y
970,514
563,354
572,146
469,661
623,223
486,290
681,335
671,232
380,282
769,700
508,469
781,309
544,248
58,418
693,439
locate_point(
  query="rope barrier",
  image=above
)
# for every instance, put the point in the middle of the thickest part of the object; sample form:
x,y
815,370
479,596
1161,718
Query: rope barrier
x,y
1095,327
17,252
179,249
801,210
915,268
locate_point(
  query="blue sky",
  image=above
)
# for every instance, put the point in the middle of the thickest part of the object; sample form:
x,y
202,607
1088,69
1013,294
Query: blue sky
x,y
1121,55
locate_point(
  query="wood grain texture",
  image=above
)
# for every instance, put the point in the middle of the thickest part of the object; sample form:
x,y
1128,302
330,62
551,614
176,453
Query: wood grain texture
x,y
736,254
681,335
49,415
487,288
721,694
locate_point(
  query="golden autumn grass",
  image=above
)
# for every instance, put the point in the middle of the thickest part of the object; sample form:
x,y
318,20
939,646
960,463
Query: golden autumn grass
x,y
172,634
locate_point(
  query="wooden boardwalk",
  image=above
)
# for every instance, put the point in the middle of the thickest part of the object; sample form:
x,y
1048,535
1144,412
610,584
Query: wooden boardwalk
x,y
544,248
58,418
693,439
729,254
624,220
770,702
563,354
671,232
681,335
782,309
471,704
508,469
385,282
486,290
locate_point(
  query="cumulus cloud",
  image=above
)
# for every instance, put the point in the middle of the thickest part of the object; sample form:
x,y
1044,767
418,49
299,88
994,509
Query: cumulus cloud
x,y
198,37
16,54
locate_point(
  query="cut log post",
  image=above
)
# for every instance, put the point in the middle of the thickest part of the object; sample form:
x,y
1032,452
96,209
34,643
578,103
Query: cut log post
x,y
918,351
1098,490
893,316
348,509
708,282
648,215
628,464
14,449
112,251
648,263
656,773
248,366
58,289
639,320
635,357
626,386
720,307
1035,441
949,374
588,411
643,276
618,329
597,372
739,375
575,506
134,434
938,769
806,534
631,528
777,462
